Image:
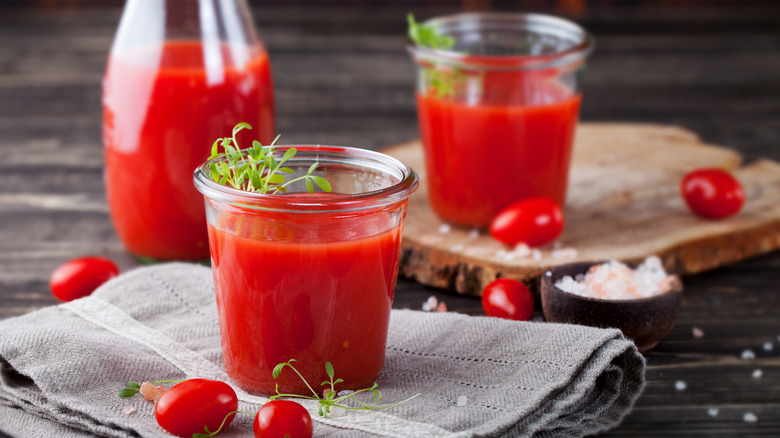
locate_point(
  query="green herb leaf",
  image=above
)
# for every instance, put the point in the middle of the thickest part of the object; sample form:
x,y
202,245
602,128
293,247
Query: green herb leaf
x,y
127,392
133,385
322,183
329,370
427,36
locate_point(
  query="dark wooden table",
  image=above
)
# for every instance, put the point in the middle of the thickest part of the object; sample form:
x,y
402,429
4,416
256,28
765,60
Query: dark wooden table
x,y
343,77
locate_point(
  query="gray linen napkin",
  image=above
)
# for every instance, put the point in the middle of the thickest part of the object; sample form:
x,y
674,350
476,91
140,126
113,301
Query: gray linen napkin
x,y
61,368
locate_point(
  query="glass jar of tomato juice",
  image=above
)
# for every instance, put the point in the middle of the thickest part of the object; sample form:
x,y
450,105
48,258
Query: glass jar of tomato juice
x,y
497,111
308,276
180,74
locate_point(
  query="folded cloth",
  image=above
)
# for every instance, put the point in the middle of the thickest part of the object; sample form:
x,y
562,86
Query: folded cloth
x,y
61,368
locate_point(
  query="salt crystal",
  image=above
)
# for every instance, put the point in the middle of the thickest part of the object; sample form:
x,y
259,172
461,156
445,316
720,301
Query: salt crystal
x,y
749,417
151,392
757,374
442,307
680,385
536,255
748,355
462,400
548,274
128,410
473,234
698,333
444,228
713,412
430,304
456,248
564,254
344,392
616,281
768,346
336,411
522,250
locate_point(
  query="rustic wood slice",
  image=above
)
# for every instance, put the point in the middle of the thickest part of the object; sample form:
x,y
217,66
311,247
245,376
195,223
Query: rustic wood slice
x,y
623,203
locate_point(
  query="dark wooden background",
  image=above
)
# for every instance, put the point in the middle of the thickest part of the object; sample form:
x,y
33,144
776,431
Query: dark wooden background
x,y
342,76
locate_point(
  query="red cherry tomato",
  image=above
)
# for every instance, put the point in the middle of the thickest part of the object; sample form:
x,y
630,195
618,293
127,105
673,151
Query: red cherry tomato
x,y
282,418
533,221
193,404
80,277
508,299
712,193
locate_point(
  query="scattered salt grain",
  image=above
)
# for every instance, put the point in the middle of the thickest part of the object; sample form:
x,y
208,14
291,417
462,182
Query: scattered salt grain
x,y
521,250
336,411
473,234
698,333
749,417
768,346
548,274
444,228
616,281
456,248
128,410
442,307
564,254
536,255
713,412
680,385
757,374
151,392
748,355
344,392
431,304
462,400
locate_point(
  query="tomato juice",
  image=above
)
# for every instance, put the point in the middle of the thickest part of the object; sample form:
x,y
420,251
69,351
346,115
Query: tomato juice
x,y
162,110
514,143
314,287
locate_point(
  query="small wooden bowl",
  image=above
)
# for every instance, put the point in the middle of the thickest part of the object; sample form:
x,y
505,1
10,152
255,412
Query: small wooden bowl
x,y
645,321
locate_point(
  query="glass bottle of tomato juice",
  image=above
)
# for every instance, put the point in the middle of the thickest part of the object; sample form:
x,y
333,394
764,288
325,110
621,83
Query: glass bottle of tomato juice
x,y
180,74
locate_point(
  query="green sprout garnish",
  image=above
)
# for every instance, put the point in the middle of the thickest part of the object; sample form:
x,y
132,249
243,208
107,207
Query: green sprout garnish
x,y
257,169
442,82
332,399
427,36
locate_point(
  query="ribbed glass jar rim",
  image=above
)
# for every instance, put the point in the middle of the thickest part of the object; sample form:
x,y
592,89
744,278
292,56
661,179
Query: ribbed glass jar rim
x,y
541,24
406,182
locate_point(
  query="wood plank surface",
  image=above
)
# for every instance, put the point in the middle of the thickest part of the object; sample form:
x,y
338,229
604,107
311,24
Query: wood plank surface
x,y
623,204
342,76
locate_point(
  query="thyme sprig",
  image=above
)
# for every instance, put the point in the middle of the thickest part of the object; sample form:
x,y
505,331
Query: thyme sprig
x,y
332,399
257,169
441,81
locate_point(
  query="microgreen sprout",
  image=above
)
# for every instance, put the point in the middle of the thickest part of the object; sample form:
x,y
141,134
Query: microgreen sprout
x,y
441,81
257,169
332,399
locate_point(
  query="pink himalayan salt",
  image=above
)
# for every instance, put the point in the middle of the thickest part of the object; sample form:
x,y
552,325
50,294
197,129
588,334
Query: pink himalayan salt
x,y
151,392
615,281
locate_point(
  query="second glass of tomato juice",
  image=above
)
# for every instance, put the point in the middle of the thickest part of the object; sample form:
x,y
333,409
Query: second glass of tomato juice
x,y
497,110
308,276
180,74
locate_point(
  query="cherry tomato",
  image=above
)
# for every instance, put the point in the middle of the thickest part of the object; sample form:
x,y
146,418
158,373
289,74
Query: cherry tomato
x,y
80,277
193,404
533,221
712,193
282,418
508,299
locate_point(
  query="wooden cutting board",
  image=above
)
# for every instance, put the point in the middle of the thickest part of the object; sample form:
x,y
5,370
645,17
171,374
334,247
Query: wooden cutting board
x,y
623,203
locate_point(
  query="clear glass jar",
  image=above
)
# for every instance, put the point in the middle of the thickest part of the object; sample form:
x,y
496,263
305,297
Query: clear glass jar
x,y
181,73
498,110
308,276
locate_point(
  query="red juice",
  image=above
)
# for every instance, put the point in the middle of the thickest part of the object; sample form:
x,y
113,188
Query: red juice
x,y
311,287
159,123
515,143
